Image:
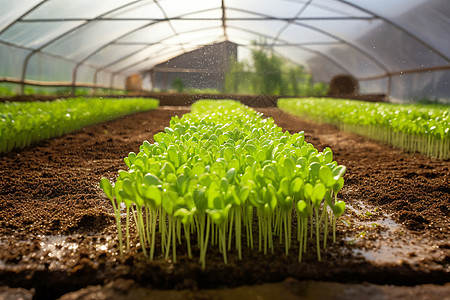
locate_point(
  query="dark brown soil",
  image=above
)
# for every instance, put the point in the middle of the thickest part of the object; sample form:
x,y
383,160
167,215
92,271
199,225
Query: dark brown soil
x,y
58,231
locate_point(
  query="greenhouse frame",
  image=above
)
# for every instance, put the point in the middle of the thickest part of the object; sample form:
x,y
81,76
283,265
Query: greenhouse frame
x,y
397,48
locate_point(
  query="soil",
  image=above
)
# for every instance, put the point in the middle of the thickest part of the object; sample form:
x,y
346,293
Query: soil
x,y
58,235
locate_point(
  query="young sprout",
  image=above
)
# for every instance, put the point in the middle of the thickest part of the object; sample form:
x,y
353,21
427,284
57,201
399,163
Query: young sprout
x,y
106,186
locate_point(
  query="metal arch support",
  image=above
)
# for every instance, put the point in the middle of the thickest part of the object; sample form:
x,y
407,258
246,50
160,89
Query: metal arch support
x,y
261,18
353,46
256,33
145,48
224,16
401,28
23,15
79,63
170,24
147,58
300,47
27,59
158,21
22,85
130,66
302,9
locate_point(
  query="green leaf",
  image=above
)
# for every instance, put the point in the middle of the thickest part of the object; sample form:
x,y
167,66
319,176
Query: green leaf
x,y
171,178
183,215
261,155
284,187
234,164
338,185
326,176
173,156
250,160
153,194
106,186
223,184
188,172
131,157
317,194
314,169
169,131
289,165
200,199
338,172
270,173
167,168
286,203
205,179
198,169
150,179
339,208
128,188
228,154
243,194
308,191
328,155
302,209
230,175
118,187
168,201
296,185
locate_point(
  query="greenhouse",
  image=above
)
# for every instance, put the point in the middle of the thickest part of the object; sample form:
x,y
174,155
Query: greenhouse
x,y
214,149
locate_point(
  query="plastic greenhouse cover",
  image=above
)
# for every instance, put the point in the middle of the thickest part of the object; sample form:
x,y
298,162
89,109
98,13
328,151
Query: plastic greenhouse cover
x,y
397,47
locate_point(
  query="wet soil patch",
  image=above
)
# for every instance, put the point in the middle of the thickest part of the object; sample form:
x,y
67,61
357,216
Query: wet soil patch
x,y
57,231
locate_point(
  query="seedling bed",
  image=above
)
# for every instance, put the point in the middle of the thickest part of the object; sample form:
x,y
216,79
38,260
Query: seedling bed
x,y
58,231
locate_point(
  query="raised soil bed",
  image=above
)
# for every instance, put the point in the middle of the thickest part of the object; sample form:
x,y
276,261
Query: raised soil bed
x,y
58,234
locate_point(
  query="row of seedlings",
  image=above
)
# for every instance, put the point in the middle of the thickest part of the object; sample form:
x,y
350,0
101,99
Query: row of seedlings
x,y
212,171
25,123
414,127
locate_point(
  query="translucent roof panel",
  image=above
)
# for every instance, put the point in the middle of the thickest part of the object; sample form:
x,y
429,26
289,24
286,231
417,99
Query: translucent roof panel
x,y
138,10
176,8
201,36
34,35
396,53
332,9
113,53
83,9
85,40
297,35
277,9
151,33
181,26
263,28
104,41
151,61
353,61
12,10
46,68
16,57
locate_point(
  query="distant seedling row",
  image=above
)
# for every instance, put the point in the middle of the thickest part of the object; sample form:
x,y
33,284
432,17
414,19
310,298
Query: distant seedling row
x,y
415,128
25,123
219,174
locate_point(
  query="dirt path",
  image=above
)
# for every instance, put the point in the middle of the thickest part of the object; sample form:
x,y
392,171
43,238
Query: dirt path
x,y
57,229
